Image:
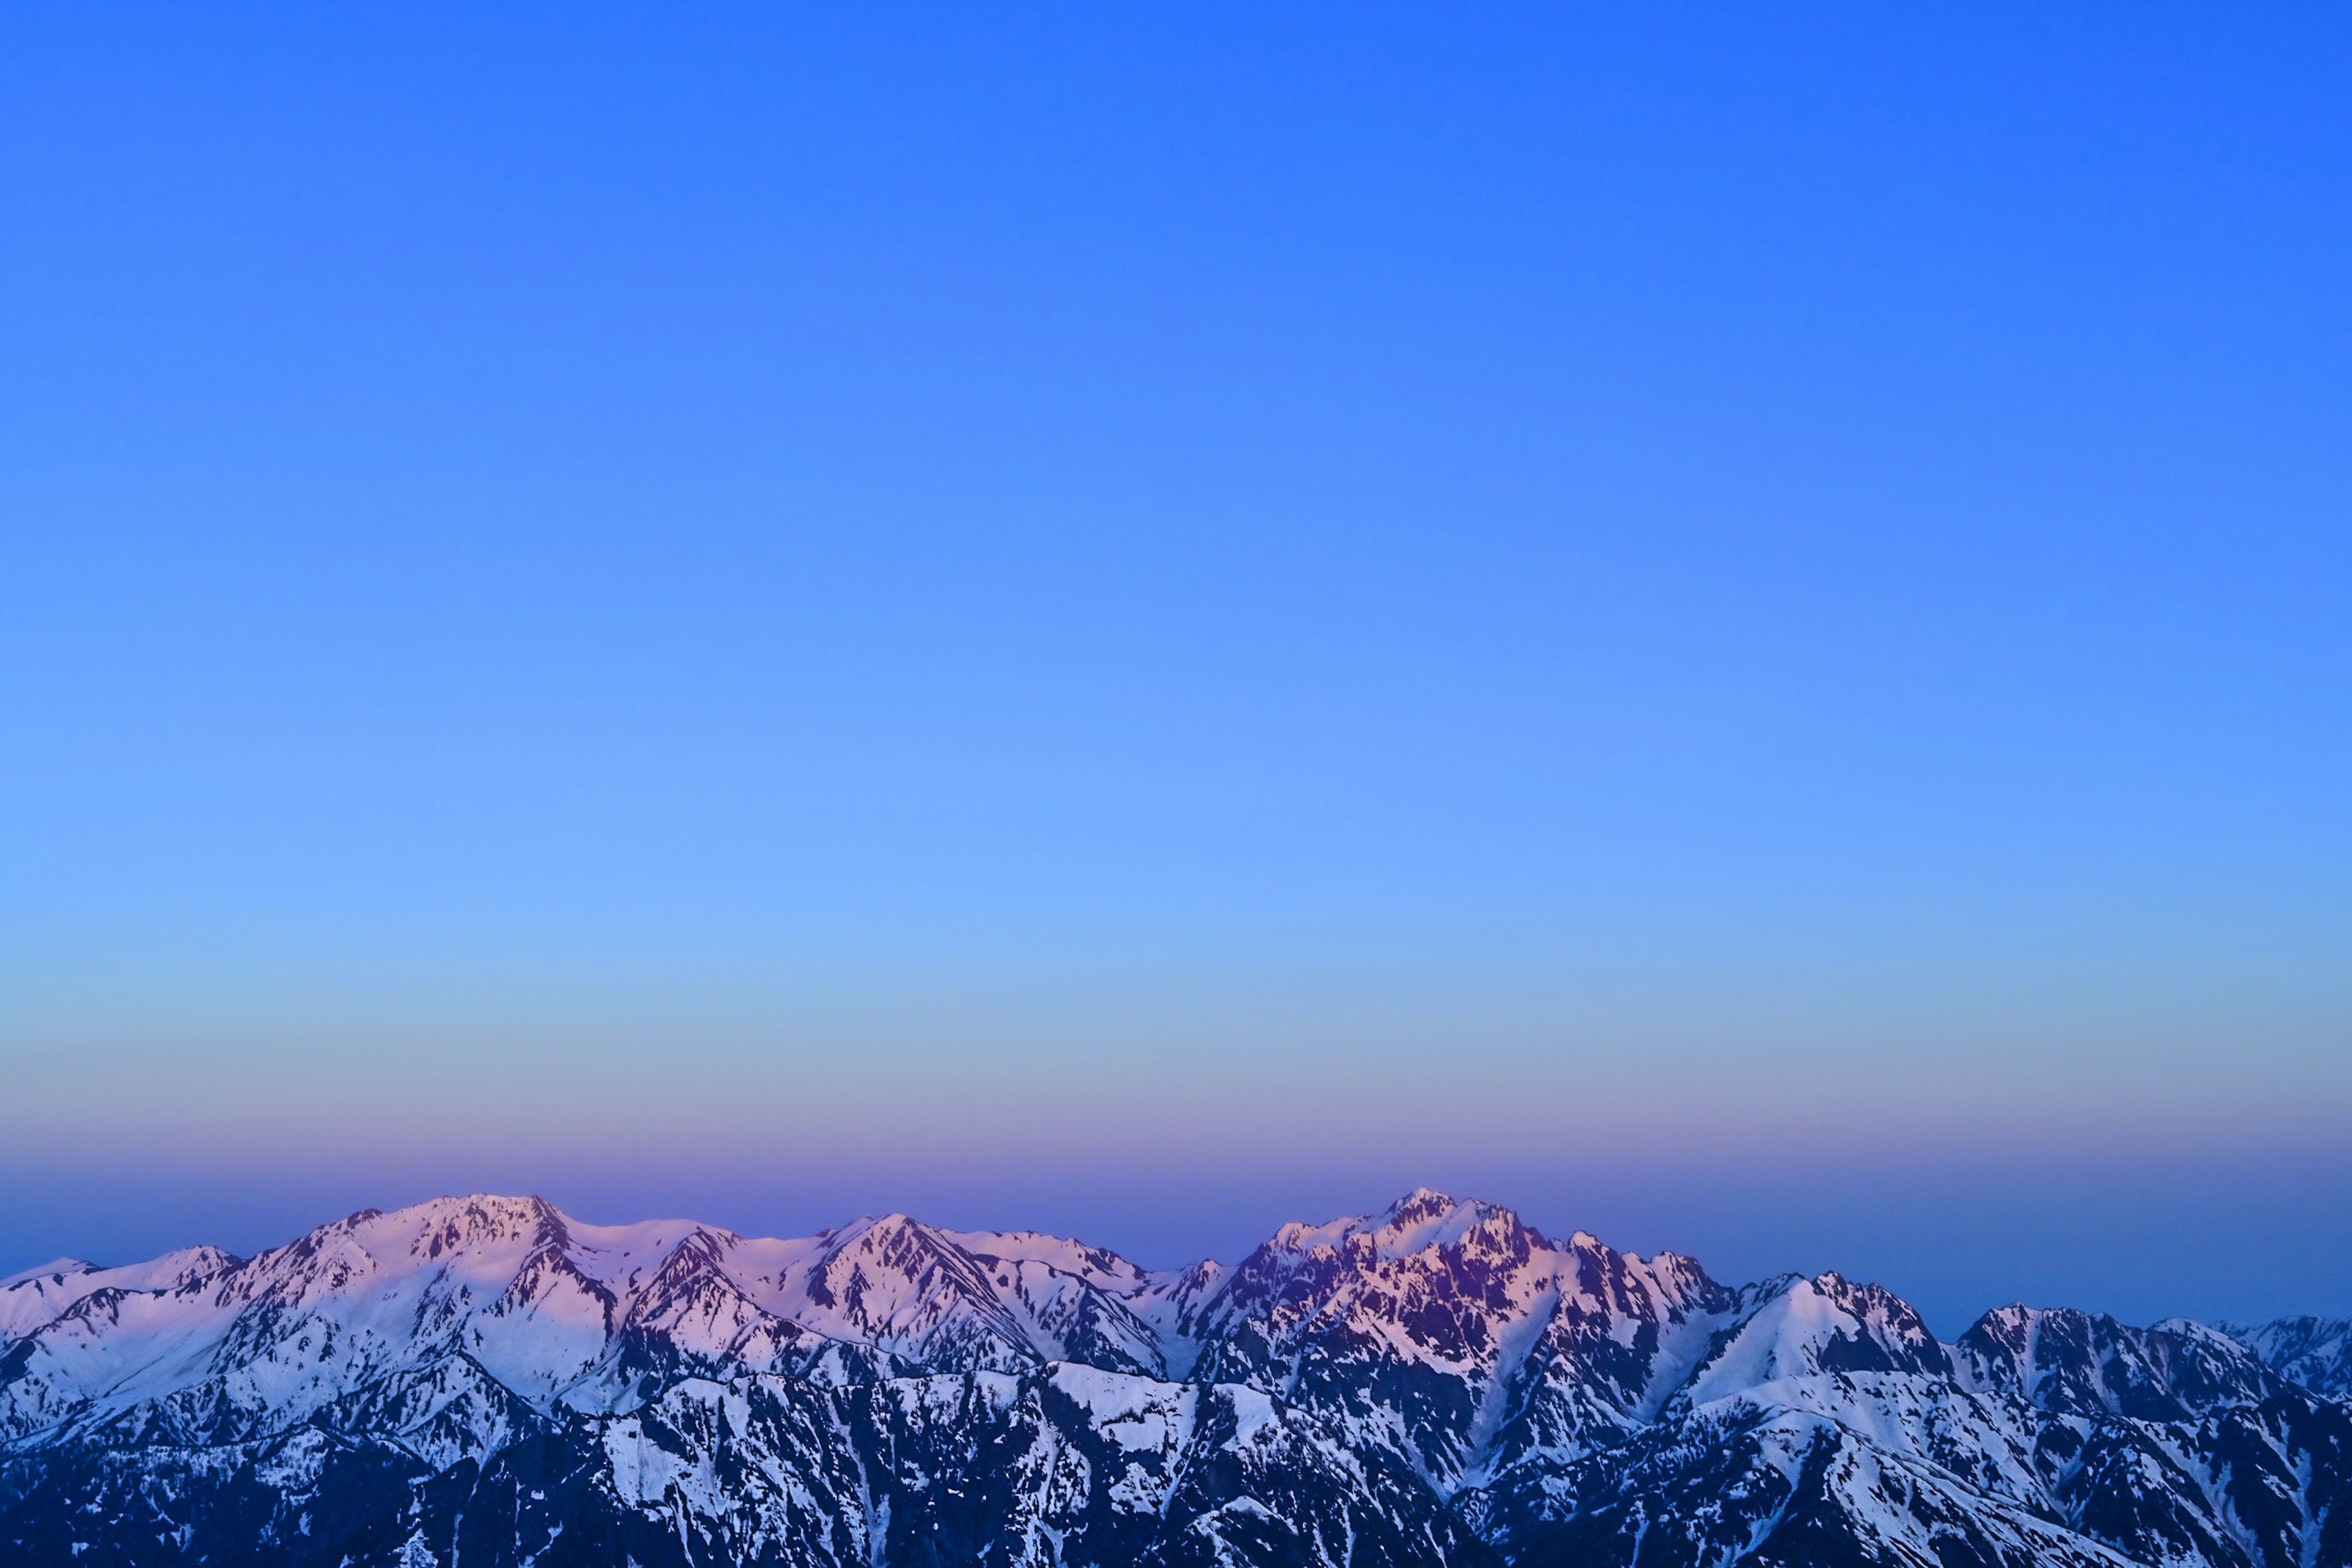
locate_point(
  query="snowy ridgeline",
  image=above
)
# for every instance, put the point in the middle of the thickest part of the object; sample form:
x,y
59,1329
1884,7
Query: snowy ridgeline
x,y
488,1381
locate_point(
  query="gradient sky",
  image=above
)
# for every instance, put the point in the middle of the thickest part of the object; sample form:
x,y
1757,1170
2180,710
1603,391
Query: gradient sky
x,y
1731,625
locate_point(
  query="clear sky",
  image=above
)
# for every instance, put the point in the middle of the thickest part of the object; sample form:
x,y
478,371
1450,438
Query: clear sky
x,y
1732,625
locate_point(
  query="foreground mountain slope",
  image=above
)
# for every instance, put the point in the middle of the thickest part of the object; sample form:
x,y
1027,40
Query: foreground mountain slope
x,y
489,1380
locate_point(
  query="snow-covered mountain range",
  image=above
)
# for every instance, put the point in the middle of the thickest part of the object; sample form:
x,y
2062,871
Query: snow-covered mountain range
x,y
489,1382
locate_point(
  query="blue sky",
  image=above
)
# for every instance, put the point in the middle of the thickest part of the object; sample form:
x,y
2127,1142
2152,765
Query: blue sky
x,y
1732,626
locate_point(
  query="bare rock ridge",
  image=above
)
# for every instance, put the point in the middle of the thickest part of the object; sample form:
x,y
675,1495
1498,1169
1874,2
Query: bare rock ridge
x,y
488,1381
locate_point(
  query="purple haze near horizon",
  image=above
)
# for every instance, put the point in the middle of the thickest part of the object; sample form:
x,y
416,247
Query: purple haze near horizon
x,y
1731,629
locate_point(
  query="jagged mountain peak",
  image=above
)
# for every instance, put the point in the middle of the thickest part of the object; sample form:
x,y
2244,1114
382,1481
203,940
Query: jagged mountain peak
x,y
480,1238
2313,1350
1422,1219
896,1222
1787,1332
2071,1360
994,1301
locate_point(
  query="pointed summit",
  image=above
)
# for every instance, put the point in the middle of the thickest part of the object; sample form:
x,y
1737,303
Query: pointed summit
x,y
1426,1217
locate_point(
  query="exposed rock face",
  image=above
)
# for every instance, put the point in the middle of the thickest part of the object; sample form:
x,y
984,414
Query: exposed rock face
x,y
486,1381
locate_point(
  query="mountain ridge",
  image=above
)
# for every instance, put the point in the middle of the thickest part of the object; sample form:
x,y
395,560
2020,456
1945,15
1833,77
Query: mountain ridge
x,y
1438,1374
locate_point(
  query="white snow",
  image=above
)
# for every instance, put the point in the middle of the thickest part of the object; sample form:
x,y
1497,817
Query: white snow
x,y
437,1312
